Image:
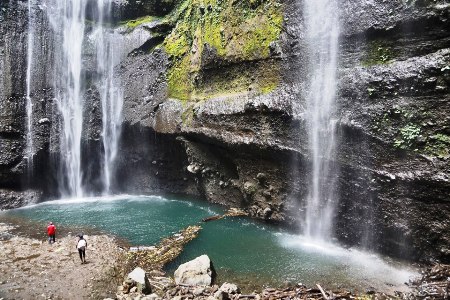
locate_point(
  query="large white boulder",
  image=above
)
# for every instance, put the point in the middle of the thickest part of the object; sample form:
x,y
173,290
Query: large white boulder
x,y
199,271
137,278
138,275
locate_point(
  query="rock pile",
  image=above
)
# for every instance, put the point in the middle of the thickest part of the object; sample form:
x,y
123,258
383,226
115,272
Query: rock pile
x,y
194,280
232,212
434,283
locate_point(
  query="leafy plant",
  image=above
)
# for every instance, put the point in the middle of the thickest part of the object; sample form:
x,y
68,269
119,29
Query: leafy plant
x,y
407,136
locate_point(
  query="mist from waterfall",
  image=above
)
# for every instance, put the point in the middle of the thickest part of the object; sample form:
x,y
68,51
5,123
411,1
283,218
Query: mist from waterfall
x,y
322,31
68,19
29,104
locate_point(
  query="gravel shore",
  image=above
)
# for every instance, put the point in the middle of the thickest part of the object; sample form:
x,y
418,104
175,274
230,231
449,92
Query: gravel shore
x,y
34,269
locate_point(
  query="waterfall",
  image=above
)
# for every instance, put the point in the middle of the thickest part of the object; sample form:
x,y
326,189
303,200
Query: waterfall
x,y
29,103
110,94
322,31
68,19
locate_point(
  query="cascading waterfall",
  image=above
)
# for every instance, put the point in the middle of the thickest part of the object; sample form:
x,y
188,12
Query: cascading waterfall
x,y
68,19
110,94
322,29
29,103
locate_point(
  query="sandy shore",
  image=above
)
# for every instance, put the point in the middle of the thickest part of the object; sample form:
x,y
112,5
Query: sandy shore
x,y
33,269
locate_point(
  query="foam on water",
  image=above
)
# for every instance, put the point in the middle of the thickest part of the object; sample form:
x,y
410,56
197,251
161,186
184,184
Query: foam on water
x,y
368,264
81,200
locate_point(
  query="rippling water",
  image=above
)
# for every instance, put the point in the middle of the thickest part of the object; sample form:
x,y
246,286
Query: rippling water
x,y
242,250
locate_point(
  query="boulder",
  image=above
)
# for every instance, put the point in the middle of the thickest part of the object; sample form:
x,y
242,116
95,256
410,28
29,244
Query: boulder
x,y
199,271
193,168
229,288
138,275
139,279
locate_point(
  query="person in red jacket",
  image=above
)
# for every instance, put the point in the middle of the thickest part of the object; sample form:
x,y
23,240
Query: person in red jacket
x,y
51,231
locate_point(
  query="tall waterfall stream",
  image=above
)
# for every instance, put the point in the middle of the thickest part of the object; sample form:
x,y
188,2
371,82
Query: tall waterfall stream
x,y
322,31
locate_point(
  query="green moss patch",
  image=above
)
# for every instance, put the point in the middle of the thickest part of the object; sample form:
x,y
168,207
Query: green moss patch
x,y
413,129
378,52
246,77
438,145
216,35
131,24
177,77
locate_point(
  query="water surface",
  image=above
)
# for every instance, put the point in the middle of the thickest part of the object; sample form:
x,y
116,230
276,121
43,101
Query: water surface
x,y
242,250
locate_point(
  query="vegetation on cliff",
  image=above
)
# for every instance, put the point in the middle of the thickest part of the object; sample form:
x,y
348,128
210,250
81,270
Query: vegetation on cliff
x,y
131,24
223,46
379,52
414,131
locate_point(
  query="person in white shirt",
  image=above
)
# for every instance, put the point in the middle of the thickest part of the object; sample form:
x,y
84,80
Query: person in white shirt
x,y
81,246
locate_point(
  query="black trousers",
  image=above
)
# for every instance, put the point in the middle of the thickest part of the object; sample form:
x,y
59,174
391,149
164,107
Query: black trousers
x,y
82,253
51,238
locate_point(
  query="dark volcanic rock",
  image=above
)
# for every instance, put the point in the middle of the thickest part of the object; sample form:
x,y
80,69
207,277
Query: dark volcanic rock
x,y
12,199
132,9
151,163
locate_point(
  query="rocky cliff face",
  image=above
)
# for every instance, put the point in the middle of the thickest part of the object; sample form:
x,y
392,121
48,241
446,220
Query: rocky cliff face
x,y
13,65
214,96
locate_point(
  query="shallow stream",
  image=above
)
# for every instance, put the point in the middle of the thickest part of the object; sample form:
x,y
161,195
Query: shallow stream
x,y
242,250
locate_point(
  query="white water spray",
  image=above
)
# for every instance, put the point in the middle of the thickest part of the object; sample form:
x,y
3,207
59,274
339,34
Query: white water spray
x,y
322,28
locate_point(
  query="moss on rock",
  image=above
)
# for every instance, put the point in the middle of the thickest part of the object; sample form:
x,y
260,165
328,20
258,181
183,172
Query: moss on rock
x,y
413,129
131,24
378,52
211,37
438,145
